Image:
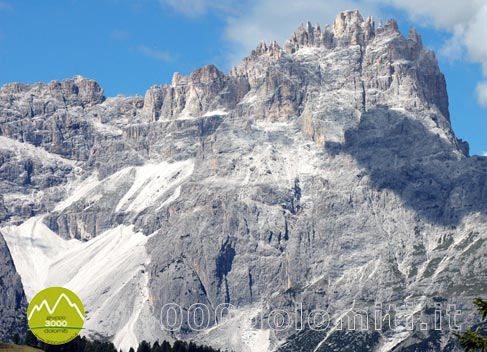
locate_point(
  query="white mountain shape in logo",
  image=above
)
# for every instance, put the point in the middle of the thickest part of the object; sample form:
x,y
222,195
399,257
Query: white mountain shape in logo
x,y
45,304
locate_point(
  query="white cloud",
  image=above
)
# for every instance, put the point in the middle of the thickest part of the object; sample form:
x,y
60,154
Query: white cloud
x,y
444,14
476,37
481,92
155,53
190,8
453,49
195,8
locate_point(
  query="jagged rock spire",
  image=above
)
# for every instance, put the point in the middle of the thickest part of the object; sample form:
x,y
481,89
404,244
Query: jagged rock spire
x,y
349,28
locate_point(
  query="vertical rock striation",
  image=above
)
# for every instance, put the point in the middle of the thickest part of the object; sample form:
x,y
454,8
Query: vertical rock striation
x,y
13,304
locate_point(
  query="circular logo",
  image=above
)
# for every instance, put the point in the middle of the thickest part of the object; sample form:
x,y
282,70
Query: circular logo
x,y
56,315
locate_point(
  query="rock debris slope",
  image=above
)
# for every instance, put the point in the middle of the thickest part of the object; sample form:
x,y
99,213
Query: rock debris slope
x,y
324,174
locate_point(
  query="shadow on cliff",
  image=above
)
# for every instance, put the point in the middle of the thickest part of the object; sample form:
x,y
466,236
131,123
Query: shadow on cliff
x,y
402,155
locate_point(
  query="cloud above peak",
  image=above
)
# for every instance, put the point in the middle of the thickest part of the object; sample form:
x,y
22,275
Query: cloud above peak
x,y
191,8
481,92
155,53
197,8
445,14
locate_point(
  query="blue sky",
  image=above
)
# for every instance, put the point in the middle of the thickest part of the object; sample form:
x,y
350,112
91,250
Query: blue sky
x,y
129,45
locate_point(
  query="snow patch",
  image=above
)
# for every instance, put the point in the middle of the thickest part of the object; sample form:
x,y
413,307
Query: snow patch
x,y
238,333
215,113
152,181
104,272
308,51
172,198
34,247
107,129
126,337
79,191
30,151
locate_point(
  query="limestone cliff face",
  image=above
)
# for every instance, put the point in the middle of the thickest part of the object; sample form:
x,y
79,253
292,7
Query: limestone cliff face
x,y
324,172
13,304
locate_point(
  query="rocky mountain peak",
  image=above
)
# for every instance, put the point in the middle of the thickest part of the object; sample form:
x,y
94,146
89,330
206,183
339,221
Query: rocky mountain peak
x,y
73,91
387,69
379,65
416,38
208,74
350,28
273,49
88,90
348,18
307,36
176,79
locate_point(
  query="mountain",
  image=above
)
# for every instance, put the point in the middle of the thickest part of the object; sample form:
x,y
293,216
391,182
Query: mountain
x,y
322,177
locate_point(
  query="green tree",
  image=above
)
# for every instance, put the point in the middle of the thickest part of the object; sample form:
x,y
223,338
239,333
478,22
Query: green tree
x,y
471,340
166,347
16,338
180,346
30,339
144,346
156,347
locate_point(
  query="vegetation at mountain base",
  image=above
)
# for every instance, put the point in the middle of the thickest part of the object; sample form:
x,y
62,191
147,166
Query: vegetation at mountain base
x,y
82,344
6,347
471,339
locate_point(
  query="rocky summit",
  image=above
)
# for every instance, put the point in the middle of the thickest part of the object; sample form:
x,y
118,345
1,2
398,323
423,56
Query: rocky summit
x,y
318,179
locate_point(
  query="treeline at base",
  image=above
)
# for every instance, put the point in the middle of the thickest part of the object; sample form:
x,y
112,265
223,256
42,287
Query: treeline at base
x,y
82,344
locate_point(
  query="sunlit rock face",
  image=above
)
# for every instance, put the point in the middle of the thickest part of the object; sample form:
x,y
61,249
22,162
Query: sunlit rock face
x,y
323,175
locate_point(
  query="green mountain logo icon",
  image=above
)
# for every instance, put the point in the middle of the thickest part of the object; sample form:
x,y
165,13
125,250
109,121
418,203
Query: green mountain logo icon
x,y
56,315
53,311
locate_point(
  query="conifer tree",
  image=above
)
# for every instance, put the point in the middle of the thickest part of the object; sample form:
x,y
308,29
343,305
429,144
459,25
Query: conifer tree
x,y
144,346
30,339
166,347
16,338
471,340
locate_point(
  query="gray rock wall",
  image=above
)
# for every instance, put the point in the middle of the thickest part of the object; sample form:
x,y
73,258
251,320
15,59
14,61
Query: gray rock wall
x,y
13,304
